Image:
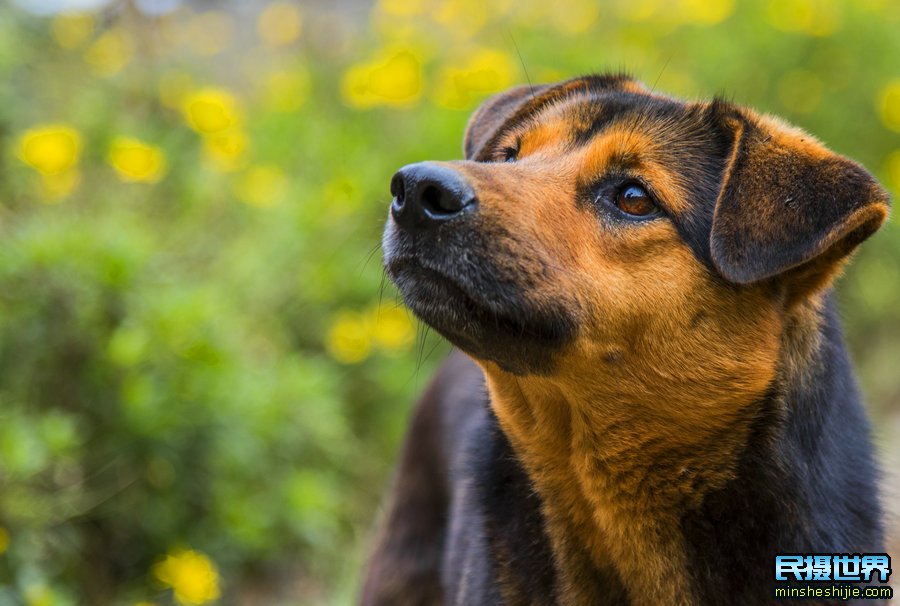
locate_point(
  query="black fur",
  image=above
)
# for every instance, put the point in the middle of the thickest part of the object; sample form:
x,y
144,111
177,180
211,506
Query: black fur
x,y
465,525
805,484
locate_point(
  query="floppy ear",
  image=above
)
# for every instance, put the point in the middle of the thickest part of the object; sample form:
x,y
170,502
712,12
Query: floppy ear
x,y
788,204
492,114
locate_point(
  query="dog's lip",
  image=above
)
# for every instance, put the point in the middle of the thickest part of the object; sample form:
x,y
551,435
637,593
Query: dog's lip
x,y
398,264
469,309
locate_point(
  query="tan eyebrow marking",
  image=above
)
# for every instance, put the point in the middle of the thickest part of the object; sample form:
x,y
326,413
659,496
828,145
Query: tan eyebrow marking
x,y
552,133
622,146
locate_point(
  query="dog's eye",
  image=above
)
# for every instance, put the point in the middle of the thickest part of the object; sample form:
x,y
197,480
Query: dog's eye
x,y
510,154
634,200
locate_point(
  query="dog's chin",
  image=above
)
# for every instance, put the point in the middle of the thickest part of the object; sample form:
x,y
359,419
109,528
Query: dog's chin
x,y
474,319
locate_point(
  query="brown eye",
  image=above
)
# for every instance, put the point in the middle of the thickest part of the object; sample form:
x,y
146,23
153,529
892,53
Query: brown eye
x,y
634,200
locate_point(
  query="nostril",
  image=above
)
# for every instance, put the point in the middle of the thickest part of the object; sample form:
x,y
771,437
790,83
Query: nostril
x,y
398,188
431,200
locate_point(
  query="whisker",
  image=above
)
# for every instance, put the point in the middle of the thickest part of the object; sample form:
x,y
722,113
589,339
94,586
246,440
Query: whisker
x,y
522,61
369,257
381,287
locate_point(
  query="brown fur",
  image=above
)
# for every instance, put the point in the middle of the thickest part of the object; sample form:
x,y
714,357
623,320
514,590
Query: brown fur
x,y
648,409
553,421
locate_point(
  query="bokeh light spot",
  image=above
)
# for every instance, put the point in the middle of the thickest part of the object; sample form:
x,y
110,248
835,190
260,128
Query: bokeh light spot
x,y
286,90
349,340
463,82
392,329
192,576
136,161
393,80
56,187
402,8
109,53
261,186
889,105
706,12
578,17
463,18
72,30
50,149
892,170
211,110
279,24
810,17
211,32
226,151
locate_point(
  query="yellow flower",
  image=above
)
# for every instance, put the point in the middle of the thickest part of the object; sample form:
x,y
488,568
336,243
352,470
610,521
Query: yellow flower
x,y
50,149
349,340
392,79
482,72
889,105
109,53
261,186
226,151
72,30
191,575
4,540
136,161
392,328
53,150
279,24
211,110
286,91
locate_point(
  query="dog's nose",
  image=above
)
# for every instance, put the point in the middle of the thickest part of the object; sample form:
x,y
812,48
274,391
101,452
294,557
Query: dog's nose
x,y
428,194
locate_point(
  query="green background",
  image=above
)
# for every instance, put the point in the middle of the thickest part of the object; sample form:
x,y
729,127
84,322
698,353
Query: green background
x,y
191,363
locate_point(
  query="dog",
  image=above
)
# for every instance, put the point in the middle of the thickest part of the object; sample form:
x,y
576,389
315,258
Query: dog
x,y
651,396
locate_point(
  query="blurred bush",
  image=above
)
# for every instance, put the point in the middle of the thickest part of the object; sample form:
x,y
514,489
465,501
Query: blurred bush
x,y
203,377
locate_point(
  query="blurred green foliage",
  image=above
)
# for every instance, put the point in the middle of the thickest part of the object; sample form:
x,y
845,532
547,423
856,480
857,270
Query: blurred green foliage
x,y
197,349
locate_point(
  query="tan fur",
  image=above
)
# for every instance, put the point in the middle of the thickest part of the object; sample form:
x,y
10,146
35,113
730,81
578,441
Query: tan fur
x,y
634,363
650,407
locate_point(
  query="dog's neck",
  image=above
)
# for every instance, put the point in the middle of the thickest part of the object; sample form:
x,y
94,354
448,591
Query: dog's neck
x,y
618,466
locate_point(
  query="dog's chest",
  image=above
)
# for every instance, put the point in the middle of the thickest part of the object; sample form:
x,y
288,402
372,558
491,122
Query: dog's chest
x,y
503,551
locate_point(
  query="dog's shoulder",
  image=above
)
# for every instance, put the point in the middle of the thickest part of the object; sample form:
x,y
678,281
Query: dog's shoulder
x,y
411,561
464,523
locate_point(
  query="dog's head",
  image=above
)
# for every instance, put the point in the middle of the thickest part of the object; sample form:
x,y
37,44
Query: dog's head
x,y
601,224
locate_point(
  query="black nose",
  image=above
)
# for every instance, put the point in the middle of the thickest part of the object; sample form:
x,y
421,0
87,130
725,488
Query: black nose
x,y
428,194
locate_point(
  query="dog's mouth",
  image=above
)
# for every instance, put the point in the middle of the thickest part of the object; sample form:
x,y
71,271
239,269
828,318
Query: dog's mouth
x,y
487,317
450,307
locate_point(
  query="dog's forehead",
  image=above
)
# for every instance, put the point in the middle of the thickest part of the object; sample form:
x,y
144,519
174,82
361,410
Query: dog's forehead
x,y
587,114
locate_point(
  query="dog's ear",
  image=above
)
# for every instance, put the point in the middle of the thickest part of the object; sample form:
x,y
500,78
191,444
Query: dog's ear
x,y
492,114
788,205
